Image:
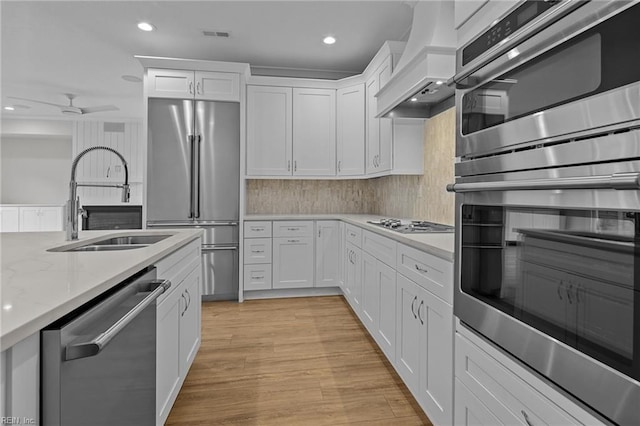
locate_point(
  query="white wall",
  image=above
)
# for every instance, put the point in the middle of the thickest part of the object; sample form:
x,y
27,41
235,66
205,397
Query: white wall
x,y
34,169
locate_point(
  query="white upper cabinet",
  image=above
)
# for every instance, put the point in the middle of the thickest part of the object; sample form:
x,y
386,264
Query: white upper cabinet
x,y
269,131
350,126
185,84
314,132
379,130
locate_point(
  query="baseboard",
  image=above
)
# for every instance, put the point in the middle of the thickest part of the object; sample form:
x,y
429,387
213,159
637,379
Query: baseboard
x,y
292,292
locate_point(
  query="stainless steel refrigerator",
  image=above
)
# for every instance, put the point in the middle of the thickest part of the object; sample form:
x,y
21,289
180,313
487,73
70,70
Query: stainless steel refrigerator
x,y
193,180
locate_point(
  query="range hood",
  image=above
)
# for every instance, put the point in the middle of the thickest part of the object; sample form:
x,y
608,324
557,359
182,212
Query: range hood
x,y
418,82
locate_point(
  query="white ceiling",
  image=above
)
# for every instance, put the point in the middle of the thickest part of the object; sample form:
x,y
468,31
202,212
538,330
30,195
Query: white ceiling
x,y
84,47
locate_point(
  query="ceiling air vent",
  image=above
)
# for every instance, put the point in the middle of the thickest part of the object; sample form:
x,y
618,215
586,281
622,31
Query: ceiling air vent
x,y
223,34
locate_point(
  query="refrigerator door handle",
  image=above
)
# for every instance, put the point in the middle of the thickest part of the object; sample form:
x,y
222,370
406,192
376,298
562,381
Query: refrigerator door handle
x,y
196,174
210,249
190,224
191,166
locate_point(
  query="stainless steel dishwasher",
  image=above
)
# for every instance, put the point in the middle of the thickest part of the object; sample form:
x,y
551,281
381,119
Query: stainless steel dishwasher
x,y
99,362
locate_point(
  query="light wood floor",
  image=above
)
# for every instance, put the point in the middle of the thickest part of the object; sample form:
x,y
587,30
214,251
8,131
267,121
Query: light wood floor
x,y
305,361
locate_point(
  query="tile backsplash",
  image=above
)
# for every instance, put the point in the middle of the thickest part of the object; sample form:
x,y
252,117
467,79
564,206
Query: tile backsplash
x,y
309,196
418,197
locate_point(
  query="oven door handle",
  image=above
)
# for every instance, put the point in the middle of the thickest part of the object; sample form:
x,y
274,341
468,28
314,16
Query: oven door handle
x,y
619,181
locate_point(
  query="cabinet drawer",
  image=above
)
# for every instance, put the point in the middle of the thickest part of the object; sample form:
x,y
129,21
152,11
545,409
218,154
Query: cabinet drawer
x,y
353,235
430,272
257,277
469,411
507,396
257,229
257,250
382,248
177,276
297,228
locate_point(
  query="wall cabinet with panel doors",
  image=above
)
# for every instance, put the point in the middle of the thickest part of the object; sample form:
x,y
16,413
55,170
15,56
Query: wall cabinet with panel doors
x,y
379,130
327,253
291,131
424,348
40,219
314,132
269,131
350,130
178,324
496,390
9,219
185,84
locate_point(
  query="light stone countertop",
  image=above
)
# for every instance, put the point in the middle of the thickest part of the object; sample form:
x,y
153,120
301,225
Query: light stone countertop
x,y
437,244
38,287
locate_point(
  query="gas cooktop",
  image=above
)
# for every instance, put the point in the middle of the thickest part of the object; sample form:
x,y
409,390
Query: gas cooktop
x,y
412,227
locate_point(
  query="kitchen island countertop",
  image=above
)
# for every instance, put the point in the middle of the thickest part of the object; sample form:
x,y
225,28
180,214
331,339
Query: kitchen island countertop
x,y
38,287
437,244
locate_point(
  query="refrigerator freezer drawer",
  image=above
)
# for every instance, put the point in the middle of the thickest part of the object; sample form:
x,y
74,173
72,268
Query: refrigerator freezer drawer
x,y
220,272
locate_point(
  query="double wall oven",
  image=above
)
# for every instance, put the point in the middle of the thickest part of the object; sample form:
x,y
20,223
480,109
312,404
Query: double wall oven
x,y
548,195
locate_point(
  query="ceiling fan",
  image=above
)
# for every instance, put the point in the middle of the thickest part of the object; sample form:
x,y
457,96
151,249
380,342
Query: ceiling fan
x,y
71,109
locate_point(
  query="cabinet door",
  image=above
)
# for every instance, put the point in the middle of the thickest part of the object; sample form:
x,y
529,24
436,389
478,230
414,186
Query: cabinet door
x,y
314,132
293,262
341,256
51,219
217,86
373,125
353,277
436,357
269,131
190,320
327,253
408,332
350,130
385,150
386,332
168,353
9,219
257,277
370,293
543,294
469,411
163,83
29,219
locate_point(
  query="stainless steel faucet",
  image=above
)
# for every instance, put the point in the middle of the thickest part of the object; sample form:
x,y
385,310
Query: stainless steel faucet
x,y
73,205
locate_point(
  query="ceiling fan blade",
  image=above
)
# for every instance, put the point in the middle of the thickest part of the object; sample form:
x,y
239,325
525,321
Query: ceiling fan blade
x,y
36,101
89,110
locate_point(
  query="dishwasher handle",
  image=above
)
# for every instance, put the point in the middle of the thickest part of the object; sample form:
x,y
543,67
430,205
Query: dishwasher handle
x,y
93,347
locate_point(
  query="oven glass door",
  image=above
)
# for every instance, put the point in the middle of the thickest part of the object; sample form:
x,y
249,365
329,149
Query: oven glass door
x,y
570,274
600,59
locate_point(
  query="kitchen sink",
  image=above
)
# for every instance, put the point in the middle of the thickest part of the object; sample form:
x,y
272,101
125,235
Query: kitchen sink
x,y
124,242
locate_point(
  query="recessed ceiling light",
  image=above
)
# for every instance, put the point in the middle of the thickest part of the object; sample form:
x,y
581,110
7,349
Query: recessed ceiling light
x,y
9,108
414,99
145,26
329,40
131,78
439,82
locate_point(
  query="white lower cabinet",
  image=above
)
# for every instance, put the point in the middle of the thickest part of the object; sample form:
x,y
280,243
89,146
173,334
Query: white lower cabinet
x,y
327,251
33,219
178,320
424,351
9,219
379,303
492,389
293,262
353,277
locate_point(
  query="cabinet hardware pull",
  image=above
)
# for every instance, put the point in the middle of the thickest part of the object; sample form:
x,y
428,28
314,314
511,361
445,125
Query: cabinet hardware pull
x,y
185,304
526,417
339,165
413,311
191,88
569,293
293,241
188,301
198,89
289,165
295,166
257,229
257,278
257,251
420,316
319,231
559,289
293,229
425,271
